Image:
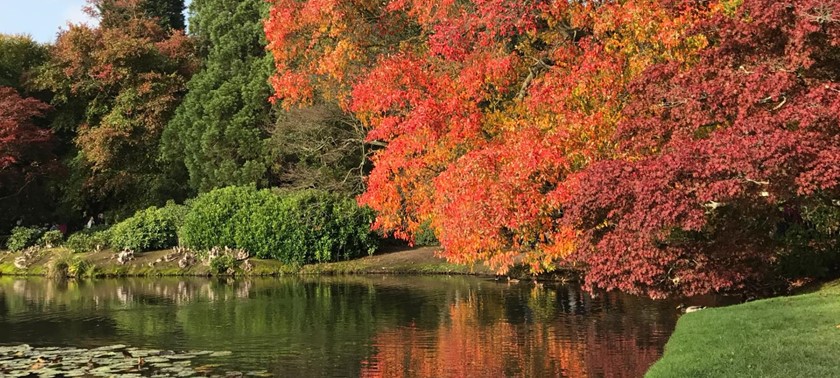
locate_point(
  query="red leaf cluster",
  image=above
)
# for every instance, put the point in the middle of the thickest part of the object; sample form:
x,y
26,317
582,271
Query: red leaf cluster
x,y
25,148
724,150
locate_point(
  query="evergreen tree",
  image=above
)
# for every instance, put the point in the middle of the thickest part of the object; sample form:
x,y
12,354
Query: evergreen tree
x,y
218,132
168,13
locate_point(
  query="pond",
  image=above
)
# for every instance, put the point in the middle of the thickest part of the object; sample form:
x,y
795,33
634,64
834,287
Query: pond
x,y
374,326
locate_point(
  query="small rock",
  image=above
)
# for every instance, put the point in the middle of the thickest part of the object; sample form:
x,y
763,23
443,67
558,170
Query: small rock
x,y
187,261
21,262
241,254
125,256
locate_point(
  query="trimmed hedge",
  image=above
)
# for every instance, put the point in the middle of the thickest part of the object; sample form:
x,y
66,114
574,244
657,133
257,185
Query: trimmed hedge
x,y
293,227
150,229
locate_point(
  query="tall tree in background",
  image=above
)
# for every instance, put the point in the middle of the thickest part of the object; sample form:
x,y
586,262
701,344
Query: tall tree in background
x,y
320,146
219,131
115,87
169,14
18,55
29,170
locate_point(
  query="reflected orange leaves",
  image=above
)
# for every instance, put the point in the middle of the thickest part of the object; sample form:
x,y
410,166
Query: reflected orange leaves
x,y
464,345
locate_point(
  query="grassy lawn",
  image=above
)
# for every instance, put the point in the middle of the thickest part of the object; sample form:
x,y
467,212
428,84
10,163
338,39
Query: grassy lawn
x,y
420,260
797,336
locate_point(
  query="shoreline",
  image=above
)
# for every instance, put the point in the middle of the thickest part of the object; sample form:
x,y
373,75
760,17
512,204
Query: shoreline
x,y
390,261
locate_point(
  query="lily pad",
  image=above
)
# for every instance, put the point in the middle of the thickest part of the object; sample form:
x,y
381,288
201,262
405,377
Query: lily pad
x,y
263,373
181,357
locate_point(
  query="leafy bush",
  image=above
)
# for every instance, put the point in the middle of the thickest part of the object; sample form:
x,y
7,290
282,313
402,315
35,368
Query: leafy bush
x,y
320,226
150,229
88,241
293,227
426,235
23,237
79,267
176,213
222,263
52,238
213,216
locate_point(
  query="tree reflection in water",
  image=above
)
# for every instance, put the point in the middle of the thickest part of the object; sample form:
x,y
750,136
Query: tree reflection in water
x,y
561,333
338,326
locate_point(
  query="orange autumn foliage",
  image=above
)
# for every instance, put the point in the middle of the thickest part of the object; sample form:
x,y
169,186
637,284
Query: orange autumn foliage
x,y
485,106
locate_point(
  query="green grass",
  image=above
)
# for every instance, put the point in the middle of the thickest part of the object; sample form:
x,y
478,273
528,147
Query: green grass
x,y
796,336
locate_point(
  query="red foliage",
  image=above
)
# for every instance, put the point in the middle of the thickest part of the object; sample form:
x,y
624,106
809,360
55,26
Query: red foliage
x,y
25,149
721,151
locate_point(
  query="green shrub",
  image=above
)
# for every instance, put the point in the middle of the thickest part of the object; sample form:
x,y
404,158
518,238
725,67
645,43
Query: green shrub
x,y
293,227
426,235
64,264
222,263
319,227
150,229
52,239
88,241
176,213
23,237
212,217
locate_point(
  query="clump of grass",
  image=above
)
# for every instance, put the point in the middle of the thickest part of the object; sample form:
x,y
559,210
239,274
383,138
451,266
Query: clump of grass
x,y
80,267
58,266
65,264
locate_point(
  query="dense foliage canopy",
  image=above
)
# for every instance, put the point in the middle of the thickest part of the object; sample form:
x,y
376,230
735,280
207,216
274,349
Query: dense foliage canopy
x,y
115,87
659,145
732,160
18,55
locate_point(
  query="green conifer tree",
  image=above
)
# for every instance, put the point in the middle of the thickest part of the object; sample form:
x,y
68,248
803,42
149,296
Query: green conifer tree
x,y
218,132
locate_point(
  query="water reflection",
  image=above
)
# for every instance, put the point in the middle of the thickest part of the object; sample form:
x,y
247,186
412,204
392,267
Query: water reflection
x,y
350,326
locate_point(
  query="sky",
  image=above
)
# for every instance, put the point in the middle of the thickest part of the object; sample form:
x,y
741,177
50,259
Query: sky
x,y
41,18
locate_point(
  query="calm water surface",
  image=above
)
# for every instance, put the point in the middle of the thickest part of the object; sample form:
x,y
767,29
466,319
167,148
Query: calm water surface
x,y
350,326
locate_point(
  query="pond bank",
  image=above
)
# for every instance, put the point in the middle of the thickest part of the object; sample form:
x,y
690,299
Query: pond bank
x,y
392,260
778,337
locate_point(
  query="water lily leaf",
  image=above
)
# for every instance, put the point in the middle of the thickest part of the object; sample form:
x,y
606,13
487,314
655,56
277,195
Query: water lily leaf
x,y
259,374
154,360
181,357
